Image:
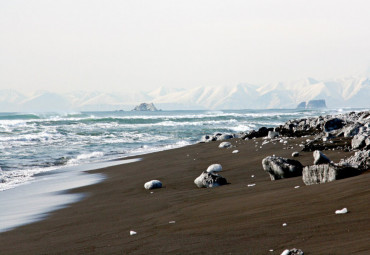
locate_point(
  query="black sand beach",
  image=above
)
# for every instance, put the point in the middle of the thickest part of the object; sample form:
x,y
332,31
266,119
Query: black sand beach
x,y
231,219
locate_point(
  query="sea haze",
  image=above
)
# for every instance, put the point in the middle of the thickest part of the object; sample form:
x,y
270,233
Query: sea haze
x,y
32,144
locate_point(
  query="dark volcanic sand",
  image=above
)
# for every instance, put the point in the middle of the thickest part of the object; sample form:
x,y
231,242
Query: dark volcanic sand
x,y
231,219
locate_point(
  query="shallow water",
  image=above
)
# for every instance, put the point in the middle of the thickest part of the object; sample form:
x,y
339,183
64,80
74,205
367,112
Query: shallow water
x,y
32,202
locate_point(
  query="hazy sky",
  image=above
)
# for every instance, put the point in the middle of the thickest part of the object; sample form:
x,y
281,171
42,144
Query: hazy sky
x,y
143,44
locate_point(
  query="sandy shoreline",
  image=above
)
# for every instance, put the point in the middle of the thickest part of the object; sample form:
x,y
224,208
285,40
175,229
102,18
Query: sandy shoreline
x,y
232,219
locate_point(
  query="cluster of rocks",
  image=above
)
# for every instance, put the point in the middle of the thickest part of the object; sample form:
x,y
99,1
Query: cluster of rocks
x,y
216,137
323,169
207,179
349,131
352,126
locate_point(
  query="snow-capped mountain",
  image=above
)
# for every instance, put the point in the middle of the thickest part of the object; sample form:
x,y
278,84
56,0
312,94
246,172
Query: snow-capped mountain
x,y
347,92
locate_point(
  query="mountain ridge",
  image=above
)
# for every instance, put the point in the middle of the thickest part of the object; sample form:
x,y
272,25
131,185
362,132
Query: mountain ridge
x,y
345,92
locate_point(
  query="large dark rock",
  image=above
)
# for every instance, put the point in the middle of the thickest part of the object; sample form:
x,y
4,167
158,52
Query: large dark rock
x,y
327,173
262,132
333,124
279,167
209,180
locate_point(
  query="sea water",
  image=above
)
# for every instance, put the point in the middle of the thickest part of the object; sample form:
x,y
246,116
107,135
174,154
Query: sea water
x,y
35,143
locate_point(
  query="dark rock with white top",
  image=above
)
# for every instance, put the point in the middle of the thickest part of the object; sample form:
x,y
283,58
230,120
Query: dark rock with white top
x,y
209,180
279,168
320,158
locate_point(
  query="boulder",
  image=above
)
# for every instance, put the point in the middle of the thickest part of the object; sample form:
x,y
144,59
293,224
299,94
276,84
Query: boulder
x,y
333,124
209,180
214,168
326,173
320,158
154,184
272,134
224,145
224,137
207,138
351,130
279,167
295,154
293,251
361,160
262,132
360,141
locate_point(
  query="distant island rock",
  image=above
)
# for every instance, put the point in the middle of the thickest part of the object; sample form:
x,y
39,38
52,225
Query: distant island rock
x,y
312,104
144,107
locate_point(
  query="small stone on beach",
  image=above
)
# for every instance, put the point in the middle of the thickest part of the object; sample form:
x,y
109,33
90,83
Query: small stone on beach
x,y
235,151
172,222
132,233
343,211
251,185
284,224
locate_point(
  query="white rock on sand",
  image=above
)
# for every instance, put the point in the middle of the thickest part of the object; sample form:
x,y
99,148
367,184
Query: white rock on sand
x,y
224,145
214,168
235,151
343,211
132,233
153,184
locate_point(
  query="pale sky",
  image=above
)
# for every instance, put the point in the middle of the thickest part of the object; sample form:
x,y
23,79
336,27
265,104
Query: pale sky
x,y
143,44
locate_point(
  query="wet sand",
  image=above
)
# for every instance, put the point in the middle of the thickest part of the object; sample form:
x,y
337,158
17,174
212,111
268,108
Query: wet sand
x,y
231,219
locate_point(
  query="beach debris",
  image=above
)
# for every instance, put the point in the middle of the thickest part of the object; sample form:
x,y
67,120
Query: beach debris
x,y
296,187
214,168
209,180
251,185
252,175
284,224
293,251
153,184
279,167
132,233
295,154
320,158
271,250
172,222
327,173
342,211
272,134
235,151
224,145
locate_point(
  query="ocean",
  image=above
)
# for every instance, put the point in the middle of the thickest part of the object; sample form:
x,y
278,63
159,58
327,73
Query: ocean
x,y
33,144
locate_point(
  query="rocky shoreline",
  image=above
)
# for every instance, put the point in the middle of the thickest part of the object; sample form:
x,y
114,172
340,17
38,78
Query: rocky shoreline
x,y
347,132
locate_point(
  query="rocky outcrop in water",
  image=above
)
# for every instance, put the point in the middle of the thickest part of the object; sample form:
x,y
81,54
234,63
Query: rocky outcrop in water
x,y
312,104
145,107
